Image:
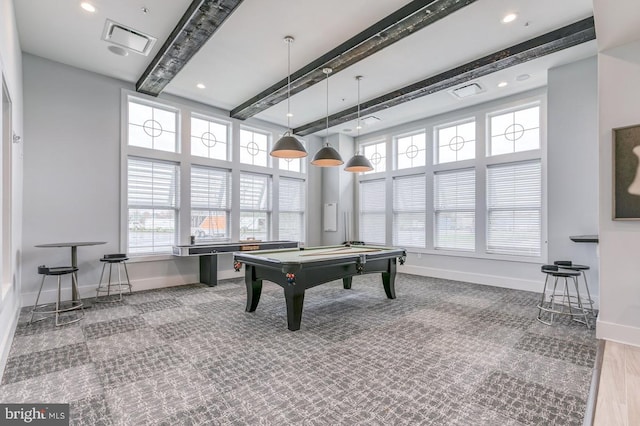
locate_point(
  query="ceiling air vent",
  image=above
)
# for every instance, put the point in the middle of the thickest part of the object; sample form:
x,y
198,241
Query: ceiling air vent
x,y
368,121
468,90
128,38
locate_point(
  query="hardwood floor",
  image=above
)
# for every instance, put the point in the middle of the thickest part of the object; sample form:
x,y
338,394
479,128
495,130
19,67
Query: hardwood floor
x,y
618,402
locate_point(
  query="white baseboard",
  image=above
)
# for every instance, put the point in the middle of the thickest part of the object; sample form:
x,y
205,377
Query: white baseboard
x,y
89,291
470,277
7,334
484,279
618,333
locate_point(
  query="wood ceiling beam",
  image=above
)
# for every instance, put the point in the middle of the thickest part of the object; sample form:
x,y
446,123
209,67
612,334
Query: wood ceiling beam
x,y
195,28
400,24
554,41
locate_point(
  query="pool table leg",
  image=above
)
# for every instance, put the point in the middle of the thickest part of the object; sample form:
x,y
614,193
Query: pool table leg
x,y
295,300
389,280
254,288
346,282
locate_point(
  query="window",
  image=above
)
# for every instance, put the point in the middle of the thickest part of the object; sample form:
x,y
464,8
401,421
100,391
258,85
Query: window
x,y
152,204
411,151
254,148
209,138
291,201
456,143
514,202
449,193
152,127
210,203
377,154
454,209
515,131
409,214
255,207
155,216
372,212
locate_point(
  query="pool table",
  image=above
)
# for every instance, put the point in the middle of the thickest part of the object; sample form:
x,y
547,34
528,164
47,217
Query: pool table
x,y
296,270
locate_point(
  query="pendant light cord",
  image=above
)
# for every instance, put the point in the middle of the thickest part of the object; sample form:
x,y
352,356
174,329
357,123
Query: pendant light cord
x,y
358,122
289,40
327,132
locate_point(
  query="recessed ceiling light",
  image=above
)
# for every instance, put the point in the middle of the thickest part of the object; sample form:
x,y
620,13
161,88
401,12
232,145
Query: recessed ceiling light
x,y
523,77
289,114
502,84
88,7
509,18
201,86
118,50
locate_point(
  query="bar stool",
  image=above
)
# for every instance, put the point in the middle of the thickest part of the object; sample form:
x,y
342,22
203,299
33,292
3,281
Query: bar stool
x,y
59,308
562,302
567,264
113,259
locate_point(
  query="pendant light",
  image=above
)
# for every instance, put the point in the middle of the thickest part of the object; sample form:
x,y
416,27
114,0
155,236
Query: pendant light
x,y
358,163
288,146
327,156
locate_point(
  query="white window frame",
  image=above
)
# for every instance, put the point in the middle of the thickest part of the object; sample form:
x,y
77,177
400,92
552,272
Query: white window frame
x,y
396,151
436,141
185,160
480,113
226,123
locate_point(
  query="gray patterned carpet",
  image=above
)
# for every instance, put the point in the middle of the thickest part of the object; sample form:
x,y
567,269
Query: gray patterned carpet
x,y
442,353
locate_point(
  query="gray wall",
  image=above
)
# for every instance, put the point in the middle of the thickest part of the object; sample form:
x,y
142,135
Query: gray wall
x,y
11,74
572,163
338,187
619,106
72,178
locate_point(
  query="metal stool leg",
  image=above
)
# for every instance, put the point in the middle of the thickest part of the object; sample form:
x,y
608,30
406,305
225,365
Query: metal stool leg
x,y
74,282
586,284
58,301
126,272
542,300
568,296
33,311
109,285
119,282
553,301
100,282
581,308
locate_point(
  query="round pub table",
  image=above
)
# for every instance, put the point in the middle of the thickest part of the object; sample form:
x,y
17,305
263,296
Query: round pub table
x,y
74,254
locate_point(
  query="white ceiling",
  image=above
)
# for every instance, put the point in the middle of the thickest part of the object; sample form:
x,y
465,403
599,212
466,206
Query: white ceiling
x,y
247,54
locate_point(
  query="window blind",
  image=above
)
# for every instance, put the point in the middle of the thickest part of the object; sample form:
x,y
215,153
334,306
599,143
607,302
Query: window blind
x,y
152,201
514,203
291,200
409,213
372,212
152,183
454,205
255,206
210,202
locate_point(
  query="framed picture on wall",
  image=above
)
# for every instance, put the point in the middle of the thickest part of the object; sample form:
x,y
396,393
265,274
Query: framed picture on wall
x,y
626,173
